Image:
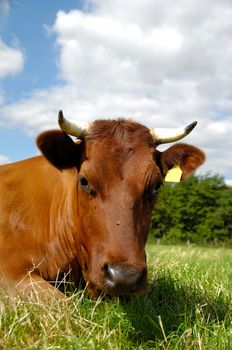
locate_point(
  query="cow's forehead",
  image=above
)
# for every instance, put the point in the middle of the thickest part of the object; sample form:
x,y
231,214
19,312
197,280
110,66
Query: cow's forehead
x,y
106,165
118,148
121,131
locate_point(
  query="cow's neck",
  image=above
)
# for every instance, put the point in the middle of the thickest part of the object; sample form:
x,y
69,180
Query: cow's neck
x,y
62,235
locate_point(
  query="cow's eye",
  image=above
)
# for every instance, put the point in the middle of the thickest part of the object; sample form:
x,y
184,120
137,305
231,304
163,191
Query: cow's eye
x,y
84,183
86,186
155,188
152,191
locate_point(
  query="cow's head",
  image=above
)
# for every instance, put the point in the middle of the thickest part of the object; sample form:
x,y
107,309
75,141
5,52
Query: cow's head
x,y
119,172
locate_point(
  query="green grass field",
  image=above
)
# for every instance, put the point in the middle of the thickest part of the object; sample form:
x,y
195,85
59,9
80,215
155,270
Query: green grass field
x,y
186,306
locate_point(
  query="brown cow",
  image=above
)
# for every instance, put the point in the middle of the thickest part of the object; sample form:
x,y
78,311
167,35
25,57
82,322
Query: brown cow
x,y
85,204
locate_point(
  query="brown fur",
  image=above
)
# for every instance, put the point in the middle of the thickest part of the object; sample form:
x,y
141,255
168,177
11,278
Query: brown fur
x,y
49,221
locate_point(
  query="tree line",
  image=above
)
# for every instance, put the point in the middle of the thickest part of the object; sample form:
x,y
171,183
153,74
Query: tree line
x,y
198,210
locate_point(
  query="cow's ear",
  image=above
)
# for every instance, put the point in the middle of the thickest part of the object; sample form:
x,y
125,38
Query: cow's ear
x,y
59,149
187,157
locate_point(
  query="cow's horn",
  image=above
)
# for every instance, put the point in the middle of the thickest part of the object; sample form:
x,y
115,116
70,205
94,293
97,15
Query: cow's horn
x,y
71,128
163,135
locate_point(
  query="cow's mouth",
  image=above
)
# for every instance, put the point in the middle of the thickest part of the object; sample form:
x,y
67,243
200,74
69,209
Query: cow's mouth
x,y
114,279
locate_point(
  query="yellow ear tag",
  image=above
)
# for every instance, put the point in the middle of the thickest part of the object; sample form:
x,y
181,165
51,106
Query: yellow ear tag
x,y
174,174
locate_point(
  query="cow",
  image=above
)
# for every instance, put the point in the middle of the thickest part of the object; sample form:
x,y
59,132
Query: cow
x,y
85,205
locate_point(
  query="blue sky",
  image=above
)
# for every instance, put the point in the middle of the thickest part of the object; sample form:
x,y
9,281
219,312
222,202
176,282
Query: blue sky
x,y
24,24
162,63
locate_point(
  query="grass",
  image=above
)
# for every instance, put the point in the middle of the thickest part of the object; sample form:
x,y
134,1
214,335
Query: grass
x,y
187,306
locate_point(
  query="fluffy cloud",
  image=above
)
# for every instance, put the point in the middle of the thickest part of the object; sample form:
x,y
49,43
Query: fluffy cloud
x,y
11,59
161,62
113,54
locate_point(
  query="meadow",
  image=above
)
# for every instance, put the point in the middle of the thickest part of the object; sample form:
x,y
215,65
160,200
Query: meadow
x,y
187,306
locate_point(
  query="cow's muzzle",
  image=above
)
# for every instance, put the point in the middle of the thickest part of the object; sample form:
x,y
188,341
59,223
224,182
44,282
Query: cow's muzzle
x,y
120,280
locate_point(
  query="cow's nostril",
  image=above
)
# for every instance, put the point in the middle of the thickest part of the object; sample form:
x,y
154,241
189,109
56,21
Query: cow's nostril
x,y
106,269
112,274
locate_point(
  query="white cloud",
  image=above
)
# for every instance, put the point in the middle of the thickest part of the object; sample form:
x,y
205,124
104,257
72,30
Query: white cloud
x,y
161,62
4,159
11,60
113,55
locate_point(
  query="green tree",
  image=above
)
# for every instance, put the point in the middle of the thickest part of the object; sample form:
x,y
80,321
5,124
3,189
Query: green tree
x,y
198,209
217,225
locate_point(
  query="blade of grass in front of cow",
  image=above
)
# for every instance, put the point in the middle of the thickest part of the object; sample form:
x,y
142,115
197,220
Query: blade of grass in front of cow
x,y
187,306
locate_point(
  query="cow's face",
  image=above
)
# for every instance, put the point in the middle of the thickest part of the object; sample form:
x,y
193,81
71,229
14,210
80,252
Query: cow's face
x,y
119,175
117,188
